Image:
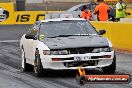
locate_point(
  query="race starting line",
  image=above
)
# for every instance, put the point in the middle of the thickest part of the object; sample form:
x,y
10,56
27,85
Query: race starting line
x,y
8,41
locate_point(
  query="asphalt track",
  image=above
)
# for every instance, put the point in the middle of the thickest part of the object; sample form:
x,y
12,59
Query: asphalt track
x,y
12,77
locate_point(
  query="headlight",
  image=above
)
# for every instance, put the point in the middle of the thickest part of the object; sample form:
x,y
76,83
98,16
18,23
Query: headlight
x,y
98,50
46,52
109,49
57,52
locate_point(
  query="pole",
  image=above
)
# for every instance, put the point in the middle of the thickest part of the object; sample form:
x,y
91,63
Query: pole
x,y
46,7
81,1
20,5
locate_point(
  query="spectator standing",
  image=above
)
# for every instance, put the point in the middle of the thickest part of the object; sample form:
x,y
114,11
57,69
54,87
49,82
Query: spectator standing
x,y
120,10
102,11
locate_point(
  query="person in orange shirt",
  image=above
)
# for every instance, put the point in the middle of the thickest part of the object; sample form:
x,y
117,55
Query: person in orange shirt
x,y
102,11
86,14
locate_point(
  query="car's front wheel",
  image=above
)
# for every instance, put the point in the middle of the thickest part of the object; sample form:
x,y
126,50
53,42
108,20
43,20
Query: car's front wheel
x,y
38,68
24,64
111,68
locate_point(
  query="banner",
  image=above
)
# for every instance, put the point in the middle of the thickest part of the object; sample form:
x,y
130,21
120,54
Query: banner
x,y
30,17
6,13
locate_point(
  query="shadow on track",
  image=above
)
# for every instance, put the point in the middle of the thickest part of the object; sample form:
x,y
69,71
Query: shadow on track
x,y
66,73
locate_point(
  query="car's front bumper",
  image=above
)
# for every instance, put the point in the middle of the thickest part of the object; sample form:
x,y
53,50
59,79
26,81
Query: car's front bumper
x,y
68,62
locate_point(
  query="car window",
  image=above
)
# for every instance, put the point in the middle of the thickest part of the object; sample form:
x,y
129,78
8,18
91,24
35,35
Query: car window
x,y
76,9
36,26
80,8
88,6
76,27
32,31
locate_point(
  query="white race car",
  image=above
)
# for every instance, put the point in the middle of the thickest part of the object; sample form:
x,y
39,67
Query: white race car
x,y
66,44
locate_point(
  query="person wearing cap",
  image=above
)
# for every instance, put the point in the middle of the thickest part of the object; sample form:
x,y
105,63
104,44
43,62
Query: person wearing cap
x,y
85,13
120,10
102,10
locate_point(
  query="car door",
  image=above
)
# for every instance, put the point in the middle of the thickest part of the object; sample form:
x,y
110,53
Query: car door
x,y
34,43
30,43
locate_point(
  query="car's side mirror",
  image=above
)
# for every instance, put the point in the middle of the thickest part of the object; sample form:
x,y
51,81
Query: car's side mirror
x,y
41,37
102,32
29,36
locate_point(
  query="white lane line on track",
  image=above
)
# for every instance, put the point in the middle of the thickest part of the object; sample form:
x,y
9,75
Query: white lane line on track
x,y
6,41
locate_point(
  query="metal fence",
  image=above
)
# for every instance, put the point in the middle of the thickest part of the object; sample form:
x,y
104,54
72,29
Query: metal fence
x,y
2,1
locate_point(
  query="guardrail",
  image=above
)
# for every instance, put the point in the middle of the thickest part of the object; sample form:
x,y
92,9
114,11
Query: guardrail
x,y
120,34
129,11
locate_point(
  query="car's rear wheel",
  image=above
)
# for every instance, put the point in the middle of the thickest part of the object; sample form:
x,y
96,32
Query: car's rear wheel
x,y
111,68
38,68
24,64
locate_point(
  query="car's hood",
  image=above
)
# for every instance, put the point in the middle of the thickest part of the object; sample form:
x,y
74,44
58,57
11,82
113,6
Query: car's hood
x,y
76,42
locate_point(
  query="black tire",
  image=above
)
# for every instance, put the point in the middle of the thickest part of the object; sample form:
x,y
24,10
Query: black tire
x,y
25,65
111,68
81,80
38,68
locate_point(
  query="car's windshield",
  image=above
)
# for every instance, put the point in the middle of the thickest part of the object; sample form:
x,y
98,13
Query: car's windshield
x,y
64,28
